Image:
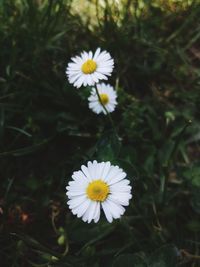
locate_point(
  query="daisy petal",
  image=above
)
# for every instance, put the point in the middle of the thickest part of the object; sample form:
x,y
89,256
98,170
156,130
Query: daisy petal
x,y
107,211
107,94
98,185
87,69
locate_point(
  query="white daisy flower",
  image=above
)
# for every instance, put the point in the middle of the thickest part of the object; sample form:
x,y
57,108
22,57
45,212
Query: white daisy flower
x,y
99,185
107,97
88,69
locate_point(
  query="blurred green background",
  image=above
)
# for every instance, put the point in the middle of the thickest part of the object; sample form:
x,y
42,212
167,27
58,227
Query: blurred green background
x,y
47,131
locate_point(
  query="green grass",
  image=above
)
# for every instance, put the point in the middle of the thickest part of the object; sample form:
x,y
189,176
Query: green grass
x,y
47,131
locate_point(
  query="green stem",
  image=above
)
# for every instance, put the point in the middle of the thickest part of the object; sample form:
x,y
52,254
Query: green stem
x,y
107,113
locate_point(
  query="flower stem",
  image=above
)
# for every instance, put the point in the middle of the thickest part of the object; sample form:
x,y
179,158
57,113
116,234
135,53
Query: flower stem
x,y
107,113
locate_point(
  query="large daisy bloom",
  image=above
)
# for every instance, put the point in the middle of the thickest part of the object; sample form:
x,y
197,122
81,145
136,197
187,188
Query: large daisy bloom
x,y
107,98
98,186
88,69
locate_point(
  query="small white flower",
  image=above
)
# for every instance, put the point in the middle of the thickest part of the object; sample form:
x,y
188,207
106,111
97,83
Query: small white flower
x,y
87,69
107,97
99,185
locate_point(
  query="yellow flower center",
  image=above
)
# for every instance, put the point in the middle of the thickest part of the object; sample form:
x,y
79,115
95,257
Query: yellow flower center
x,y
97,190
104,98
89,66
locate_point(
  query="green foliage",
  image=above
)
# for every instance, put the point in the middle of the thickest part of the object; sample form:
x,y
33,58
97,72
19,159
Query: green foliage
x,y
166,257
47,131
